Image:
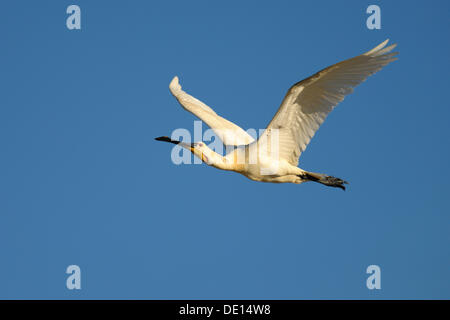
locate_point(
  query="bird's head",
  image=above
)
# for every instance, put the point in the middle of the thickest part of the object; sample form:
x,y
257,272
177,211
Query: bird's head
x,y
199,149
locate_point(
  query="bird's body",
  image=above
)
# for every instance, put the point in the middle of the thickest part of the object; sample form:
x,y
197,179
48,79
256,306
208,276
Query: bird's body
x,y
264,168
274,156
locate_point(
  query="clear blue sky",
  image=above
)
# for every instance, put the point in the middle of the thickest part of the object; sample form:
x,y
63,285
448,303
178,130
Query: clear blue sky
x,y
83,182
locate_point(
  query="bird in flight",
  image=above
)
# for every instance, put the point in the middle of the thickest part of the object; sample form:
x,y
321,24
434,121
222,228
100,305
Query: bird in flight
x,y
274,156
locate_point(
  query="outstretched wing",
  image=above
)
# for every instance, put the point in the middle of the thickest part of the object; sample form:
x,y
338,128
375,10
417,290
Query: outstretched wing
x,y
228,132
308,102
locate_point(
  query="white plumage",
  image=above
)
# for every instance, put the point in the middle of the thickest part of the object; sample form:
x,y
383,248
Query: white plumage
x,y
304,108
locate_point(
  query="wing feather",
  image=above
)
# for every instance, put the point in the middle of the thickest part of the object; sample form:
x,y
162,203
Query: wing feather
x,y
228,132
308,102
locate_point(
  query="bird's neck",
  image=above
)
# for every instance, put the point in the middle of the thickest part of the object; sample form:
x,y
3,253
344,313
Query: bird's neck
x,y
228,163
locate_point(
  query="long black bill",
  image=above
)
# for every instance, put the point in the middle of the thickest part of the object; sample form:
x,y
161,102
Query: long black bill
x,y
167,139
185,145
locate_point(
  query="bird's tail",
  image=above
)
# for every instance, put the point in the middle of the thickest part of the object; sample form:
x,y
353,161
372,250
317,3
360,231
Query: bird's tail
x,y
324,179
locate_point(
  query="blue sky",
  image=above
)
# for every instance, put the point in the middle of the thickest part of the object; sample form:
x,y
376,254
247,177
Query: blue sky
x,y
83,182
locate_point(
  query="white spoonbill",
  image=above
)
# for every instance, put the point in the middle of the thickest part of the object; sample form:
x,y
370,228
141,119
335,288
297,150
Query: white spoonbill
x,y
303,110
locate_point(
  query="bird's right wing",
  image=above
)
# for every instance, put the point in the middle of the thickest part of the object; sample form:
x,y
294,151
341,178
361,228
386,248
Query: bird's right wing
x,y
228,132
308,102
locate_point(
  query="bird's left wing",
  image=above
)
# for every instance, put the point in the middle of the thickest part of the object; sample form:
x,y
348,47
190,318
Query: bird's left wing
x,y
228,132
308,102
